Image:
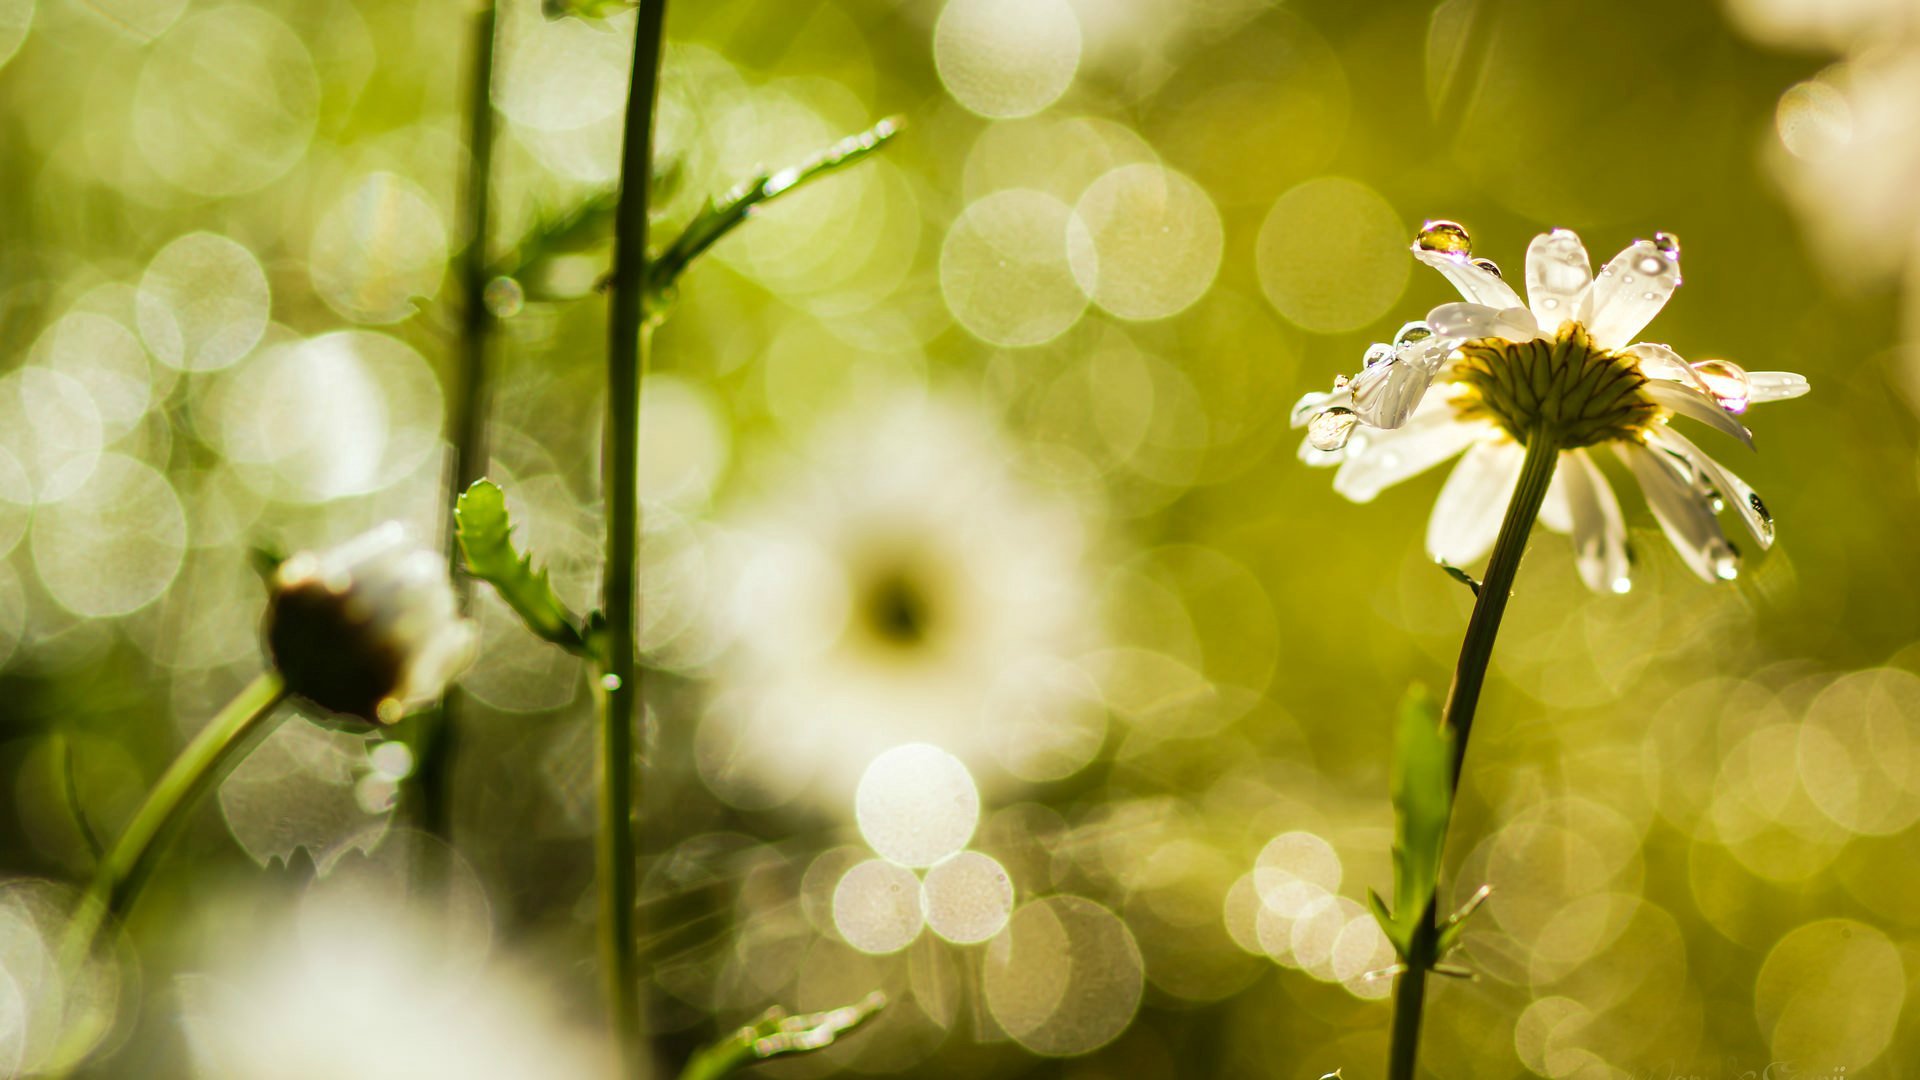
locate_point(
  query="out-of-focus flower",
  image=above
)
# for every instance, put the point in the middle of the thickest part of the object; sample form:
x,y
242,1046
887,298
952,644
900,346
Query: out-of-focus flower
x,y
899,582
369,629
1485,376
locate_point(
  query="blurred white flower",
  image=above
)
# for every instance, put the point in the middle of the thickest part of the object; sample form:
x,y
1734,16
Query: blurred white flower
x,y
368,985
1481,377
369,629
899,581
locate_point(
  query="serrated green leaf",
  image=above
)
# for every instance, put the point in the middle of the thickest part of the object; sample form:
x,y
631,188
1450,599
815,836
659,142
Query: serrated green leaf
x,y
722,216
1422,800
486,539
776,1034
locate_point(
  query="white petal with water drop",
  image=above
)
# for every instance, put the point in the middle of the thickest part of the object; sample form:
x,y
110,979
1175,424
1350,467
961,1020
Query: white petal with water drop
x,y
1599,530
1476,283
1683,513
1629,291
1558,274
1431,437
1746,502
1695,405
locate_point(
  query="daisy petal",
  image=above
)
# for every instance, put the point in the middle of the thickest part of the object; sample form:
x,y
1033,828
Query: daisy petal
x,y
1430,438
1478,285
1466,517
1629,292
1745,500
1683,513
1599,530
1657,361
1386,394
1692,403
1558,273
1556,511
1775,386
1464,322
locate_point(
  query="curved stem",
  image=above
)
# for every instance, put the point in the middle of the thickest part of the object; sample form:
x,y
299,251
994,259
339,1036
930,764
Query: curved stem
x,y
1469,674
472,401
122,874
627,346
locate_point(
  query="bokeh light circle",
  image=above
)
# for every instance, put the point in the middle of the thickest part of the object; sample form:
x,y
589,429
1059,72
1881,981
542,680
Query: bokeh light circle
x,y
114,545
1332,255
227,102
379,251
1145,242
1831,991
876,907
967,898
104,356
1006,58
916,804
203,303
1004,269
346,413
51,430
1065,977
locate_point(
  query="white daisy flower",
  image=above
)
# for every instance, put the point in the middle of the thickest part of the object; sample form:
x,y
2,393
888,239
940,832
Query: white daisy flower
x,y
899,580
369,629
1484,377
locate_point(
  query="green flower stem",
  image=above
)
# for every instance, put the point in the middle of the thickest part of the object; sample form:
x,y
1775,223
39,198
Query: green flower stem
x,y
472,401
1536,474
628,340
122,874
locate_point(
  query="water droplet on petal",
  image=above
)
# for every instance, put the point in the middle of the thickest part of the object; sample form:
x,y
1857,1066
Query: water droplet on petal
x,y
1378,354
1489,266
1727,382
609,682
1549,302
1445,237
1331,429
1760,511
1668,245
1650,264
1622,586
1340,382
1726,566
1412,332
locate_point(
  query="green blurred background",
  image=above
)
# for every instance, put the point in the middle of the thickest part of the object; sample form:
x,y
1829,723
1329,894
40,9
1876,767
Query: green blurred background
x,y
1025,377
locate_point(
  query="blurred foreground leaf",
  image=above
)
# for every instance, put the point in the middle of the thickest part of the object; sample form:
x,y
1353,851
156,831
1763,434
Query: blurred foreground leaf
x,y
1422,799
485,534
776,1034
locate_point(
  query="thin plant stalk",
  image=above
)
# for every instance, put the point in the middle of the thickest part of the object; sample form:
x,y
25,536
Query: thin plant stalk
x,y
472,402
1469,675
628,340
124,872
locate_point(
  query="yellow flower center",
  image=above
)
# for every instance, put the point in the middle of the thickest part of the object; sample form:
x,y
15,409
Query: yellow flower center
x,y
1575,391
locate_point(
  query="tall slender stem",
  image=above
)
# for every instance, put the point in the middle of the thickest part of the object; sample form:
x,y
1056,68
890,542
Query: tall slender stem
x,y
1469,674
627,345
472,401
131,860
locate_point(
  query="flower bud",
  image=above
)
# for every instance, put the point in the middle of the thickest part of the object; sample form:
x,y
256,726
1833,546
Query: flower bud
x,y
369,629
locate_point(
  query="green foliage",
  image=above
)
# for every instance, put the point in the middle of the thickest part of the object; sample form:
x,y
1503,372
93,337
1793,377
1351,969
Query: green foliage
x,y
1422,801
775,1034
722,217
485,534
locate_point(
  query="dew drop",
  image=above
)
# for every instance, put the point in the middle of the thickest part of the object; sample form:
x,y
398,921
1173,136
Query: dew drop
x,y
1445,237
1330,430
1549,302
609,682
1413,332
1727,382
1622,586
1650,264
504,297
1668,245
1340,382
1489,266
1378,354
1726,566
1308,407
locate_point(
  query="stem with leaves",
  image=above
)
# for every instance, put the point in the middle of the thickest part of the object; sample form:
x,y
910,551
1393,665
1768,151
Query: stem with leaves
x,y
628,339
1424,805
471,401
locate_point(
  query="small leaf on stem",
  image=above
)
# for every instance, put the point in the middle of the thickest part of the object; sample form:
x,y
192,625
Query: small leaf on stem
x,y
485,534
1422,800
721,217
